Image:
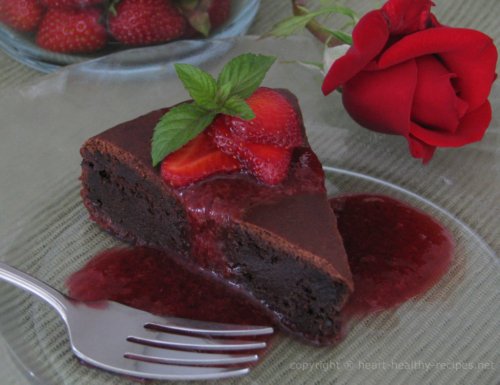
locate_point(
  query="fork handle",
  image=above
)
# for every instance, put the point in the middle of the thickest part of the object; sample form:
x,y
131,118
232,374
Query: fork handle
x,y
28,283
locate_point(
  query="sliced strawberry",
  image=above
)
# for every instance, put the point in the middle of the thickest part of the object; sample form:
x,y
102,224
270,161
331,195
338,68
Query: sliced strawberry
x,y
262,146
276,120
224,138
268,163
196,160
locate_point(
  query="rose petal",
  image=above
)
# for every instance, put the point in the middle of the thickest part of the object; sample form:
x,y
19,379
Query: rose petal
x,y
382,100
407,16
471,129
420,150
369,38
474,77
332,54
435,103
433,21
469,54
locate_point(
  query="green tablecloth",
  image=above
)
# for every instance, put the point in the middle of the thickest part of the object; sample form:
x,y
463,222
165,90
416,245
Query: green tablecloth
x,y
477,14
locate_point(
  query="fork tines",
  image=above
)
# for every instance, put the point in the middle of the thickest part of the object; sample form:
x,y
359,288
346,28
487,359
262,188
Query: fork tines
x,y
189,345
179,325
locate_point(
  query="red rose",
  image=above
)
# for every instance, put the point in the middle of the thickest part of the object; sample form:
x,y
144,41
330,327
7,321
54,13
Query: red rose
x,y
408,75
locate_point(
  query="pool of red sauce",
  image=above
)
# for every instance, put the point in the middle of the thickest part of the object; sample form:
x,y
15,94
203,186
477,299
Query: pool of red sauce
x,y
395,253
151,280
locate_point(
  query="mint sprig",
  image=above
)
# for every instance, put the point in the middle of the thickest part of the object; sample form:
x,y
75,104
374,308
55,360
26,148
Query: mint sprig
x,y
239,79
201,86
245,73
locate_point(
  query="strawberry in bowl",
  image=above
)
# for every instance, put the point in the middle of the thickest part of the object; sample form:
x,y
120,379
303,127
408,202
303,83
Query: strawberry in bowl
x,y
59,32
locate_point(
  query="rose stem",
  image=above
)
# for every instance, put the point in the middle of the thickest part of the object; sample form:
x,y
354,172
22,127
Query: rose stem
x,y
315,28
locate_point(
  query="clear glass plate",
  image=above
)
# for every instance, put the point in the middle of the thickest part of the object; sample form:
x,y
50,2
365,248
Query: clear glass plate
x,y
22,47
449,335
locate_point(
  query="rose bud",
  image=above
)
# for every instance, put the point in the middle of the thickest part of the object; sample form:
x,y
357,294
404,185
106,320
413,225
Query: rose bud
x,y
406,74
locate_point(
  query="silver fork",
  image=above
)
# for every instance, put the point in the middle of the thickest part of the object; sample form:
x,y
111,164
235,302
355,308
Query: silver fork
x,y
135,343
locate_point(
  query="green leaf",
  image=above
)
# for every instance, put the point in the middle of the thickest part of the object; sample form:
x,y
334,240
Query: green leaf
x,y
342,36
177,127
337,10
290,26
236,106
200,84
294,24
223,93
245,73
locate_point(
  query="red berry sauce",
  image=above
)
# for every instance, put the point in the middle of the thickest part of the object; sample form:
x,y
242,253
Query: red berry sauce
x,y
153,281
395,253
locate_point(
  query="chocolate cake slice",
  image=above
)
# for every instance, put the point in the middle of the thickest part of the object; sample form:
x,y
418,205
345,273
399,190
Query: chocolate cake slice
x,y
278,243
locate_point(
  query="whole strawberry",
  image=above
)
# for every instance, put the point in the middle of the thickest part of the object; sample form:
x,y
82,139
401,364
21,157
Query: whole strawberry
x,y
142,22
70,3
23,15
72,30
219,12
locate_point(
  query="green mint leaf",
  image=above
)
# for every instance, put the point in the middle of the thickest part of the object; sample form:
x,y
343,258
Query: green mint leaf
x,y
177,127
201,85
245,73
236,106
223,93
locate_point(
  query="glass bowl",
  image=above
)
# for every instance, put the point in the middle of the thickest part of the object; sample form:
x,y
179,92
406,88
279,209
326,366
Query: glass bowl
x,y
22,47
